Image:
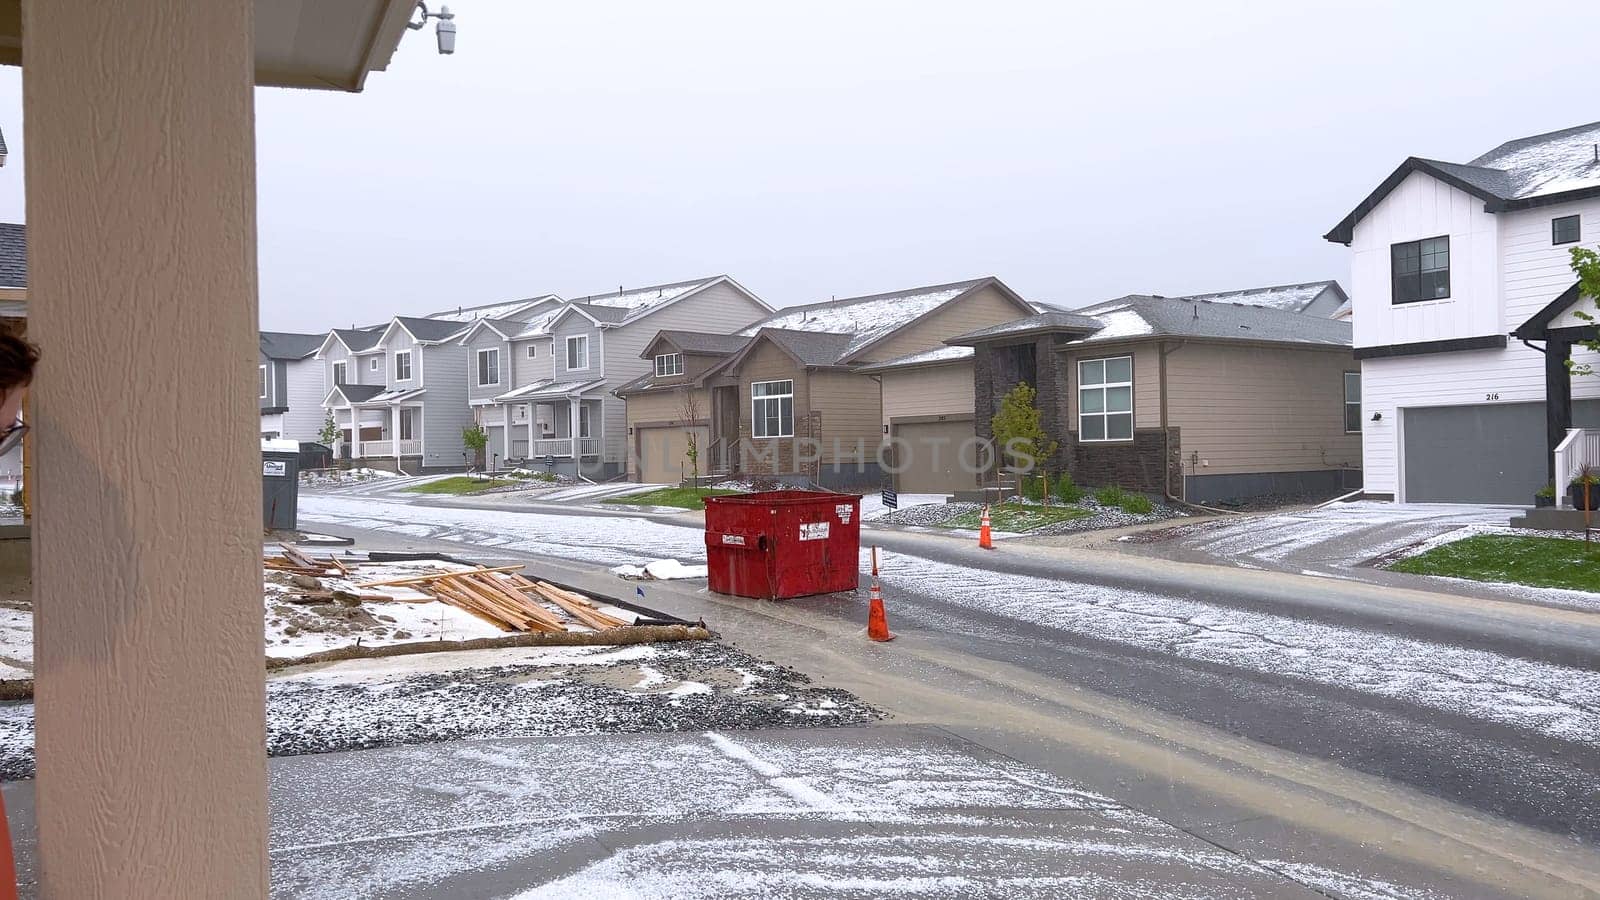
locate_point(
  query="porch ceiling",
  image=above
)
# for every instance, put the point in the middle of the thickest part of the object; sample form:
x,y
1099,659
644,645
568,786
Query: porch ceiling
x,y
320,44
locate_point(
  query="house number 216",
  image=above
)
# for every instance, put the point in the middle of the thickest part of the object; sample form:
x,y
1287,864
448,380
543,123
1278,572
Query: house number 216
x,y
1491,396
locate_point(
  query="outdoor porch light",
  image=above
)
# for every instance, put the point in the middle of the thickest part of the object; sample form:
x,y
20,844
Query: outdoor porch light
x,y
445,30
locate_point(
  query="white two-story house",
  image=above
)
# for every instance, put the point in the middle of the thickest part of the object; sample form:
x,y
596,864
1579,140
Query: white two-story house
x,y
541,385
1461,302
291,384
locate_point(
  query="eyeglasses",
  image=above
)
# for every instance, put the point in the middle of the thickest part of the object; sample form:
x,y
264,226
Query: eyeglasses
x,y
12,436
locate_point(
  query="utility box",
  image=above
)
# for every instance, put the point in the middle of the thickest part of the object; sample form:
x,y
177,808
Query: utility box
x,y
280,489
780,544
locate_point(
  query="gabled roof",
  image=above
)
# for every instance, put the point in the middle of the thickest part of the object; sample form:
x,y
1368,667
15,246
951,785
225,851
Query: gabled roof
x,y
427,331
1527,172
1287,297
1043,323
354,393
505,309
290,346
13,255
873,318
940,356
549,389
1139,315
505,328
700,342
356,340
1535,328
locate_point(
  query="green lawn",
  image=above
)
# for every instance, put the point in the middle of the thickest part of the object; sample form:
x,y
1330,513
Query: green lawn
x,y
681,497
460,484
1535,561
1018,517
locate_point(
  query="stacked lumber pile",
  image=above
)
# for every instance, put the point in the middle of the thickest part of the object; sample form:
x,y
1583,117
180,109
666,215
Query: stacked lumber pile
x,y
297,563
506,599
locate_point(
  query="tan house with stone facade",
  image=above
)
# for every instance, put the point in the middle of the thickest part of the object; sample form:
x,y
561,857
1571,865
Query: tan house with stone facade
x,y
793,396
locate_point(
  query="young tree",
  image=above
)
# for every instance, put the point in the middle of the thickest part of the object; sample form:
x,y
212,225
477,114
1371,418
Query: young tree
x,y
1020,437
475,439
330,431
1586,265
689,408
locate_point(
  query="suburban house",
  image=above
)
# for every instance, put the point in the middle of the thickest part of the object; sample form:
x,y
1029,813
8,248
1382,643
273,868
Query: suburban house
x,y
542,387
1463,305
1191,398
292,386
795,396
13,314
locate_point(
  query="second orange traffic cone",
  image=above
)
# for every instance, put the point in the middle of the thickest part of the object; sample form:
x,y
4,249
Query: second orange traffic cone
x,y
877,622
985,541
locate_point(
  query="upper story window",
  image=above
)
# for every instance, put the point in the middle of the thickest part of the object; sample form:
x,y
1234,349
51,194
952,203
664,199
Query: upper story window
x,y
1105,399
339,373
402,366
489,366
533,351
669,364
578,351
1420,270
1566,230
1352,402
372,365
772,409
263,370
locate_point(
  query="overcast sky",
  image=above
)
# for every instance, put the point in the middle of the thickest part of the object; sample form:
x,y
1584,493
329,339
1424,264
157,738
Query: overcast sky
x,y
841,148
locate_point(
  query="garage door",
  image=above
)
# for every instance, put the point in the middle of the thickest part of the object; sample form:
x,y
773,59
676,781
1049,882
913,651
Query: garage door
x,y
929,451
661,454
1475,454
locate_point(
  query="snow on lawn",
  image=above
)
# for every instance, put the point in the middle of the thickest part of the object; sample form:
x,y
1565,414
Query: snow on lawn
x,y
660,570
1558,701
872,504
612,540
16,643
1341,534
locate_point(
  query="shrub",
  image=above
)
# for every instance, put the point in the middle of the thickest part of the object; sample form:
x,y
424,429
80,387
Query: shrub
x,y
1032,487
1137,504
1066,491
1110,496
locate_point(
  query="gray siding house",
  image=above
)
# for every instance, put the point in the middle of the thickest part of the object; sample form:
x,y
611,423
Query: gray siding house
x,y
291,386
553,403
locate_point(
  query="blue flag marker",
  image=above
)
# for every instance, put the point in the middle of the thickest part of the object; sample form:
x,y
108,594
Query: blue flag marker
x,y
639,591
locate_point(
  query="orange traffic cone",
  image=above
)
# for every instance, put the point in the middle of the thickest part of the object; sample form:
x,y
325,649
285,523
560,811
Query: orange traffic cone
x,y
985,541
877,623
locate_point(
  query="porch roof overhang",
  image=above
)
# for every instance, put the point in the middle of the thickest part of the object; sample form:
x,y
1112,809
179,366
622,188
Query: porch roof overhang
x,y
1558,319
389,398
325,45
550,390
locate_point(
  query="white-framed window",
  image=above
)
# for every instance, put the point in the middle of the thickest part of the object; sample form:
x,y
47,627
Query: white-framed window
x,y
408,423
263,371
402,365
772,409
1105,399
372,365
339,373
668,364
578,351
489,366
533,351
583,420
1352,403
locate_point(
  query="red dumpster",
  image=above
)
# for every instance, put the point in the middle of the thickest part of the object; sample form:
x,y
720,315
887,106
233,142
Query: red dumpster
x,y
778,544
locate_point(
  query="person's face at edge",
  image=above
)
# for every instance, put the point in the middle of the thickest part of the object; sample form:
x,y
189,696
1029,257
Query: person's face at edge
x,y
11,406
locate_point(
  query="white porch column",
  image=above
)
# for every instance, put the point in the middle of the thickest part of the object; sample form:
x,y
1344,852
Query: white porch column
x,y
142,256
572,426
505,432
355,432
394,433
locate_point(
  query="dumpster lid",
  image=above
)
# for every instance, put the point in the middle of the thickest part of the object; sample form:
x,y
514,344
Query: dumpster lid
x,y
779,498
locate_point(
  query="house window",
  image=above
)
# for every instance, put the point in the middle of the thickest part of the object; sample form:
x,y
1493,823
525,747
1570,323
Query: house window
x,y
533,350
669,364
578,351
339,373
1420,270
772,409
372,364
1352,402
408,423
402,366
583,421
1105,399
1565,230
263,371
489,366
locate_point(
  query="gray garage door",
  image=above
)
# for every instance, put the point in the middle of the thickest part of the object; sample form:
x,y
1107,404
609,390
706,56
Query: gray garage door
x,y
930,456
1479,454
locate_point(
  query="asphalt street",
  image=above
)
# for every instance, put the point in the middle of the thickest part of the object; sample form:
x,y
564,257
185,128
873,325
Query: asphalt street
x,y
1461,734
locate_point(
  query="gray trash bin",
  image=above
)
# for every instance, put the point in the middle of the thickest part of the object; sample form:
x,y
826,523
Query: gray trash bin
x,y
280,489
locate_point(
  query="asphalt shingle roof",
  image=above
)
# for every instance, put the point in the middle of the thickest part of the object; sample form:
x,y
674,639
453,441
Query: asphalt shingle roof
x,y
812,348
288,345
1139,315
360,393
865,320
1288,297
359,339
431,329
13,255
1047,321
705,342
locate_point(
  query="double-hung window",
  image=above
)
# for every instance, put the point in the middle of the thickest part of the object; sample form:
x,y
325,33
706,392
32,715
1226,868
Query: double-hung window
x,y
1420,270
772,409
402,366
339,373
263,370
1105,399
1352,402
578,351
668,364
489,366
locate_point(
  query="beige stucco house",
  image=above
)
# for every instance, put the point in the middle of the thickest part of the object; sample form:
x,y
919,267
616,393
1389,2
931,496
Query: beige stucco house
x,y
793,396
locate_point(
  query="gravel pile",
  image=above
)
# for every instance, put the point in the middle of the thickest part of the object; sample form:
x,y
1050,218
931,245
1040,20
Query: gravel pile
x,y
526,692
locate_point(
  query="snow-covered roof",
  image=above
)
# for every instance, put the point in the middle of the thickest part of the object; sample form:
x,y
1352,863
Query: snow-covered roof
x,y
1139,315
935,357
644,297
1053,321
502,310
548,389
866,319
1524,172
1290,297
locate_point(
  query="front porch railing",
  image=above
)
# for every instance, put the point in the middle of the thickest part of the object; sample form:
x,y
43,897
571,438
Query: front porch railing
x,y
377,448
1578,452
410,448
